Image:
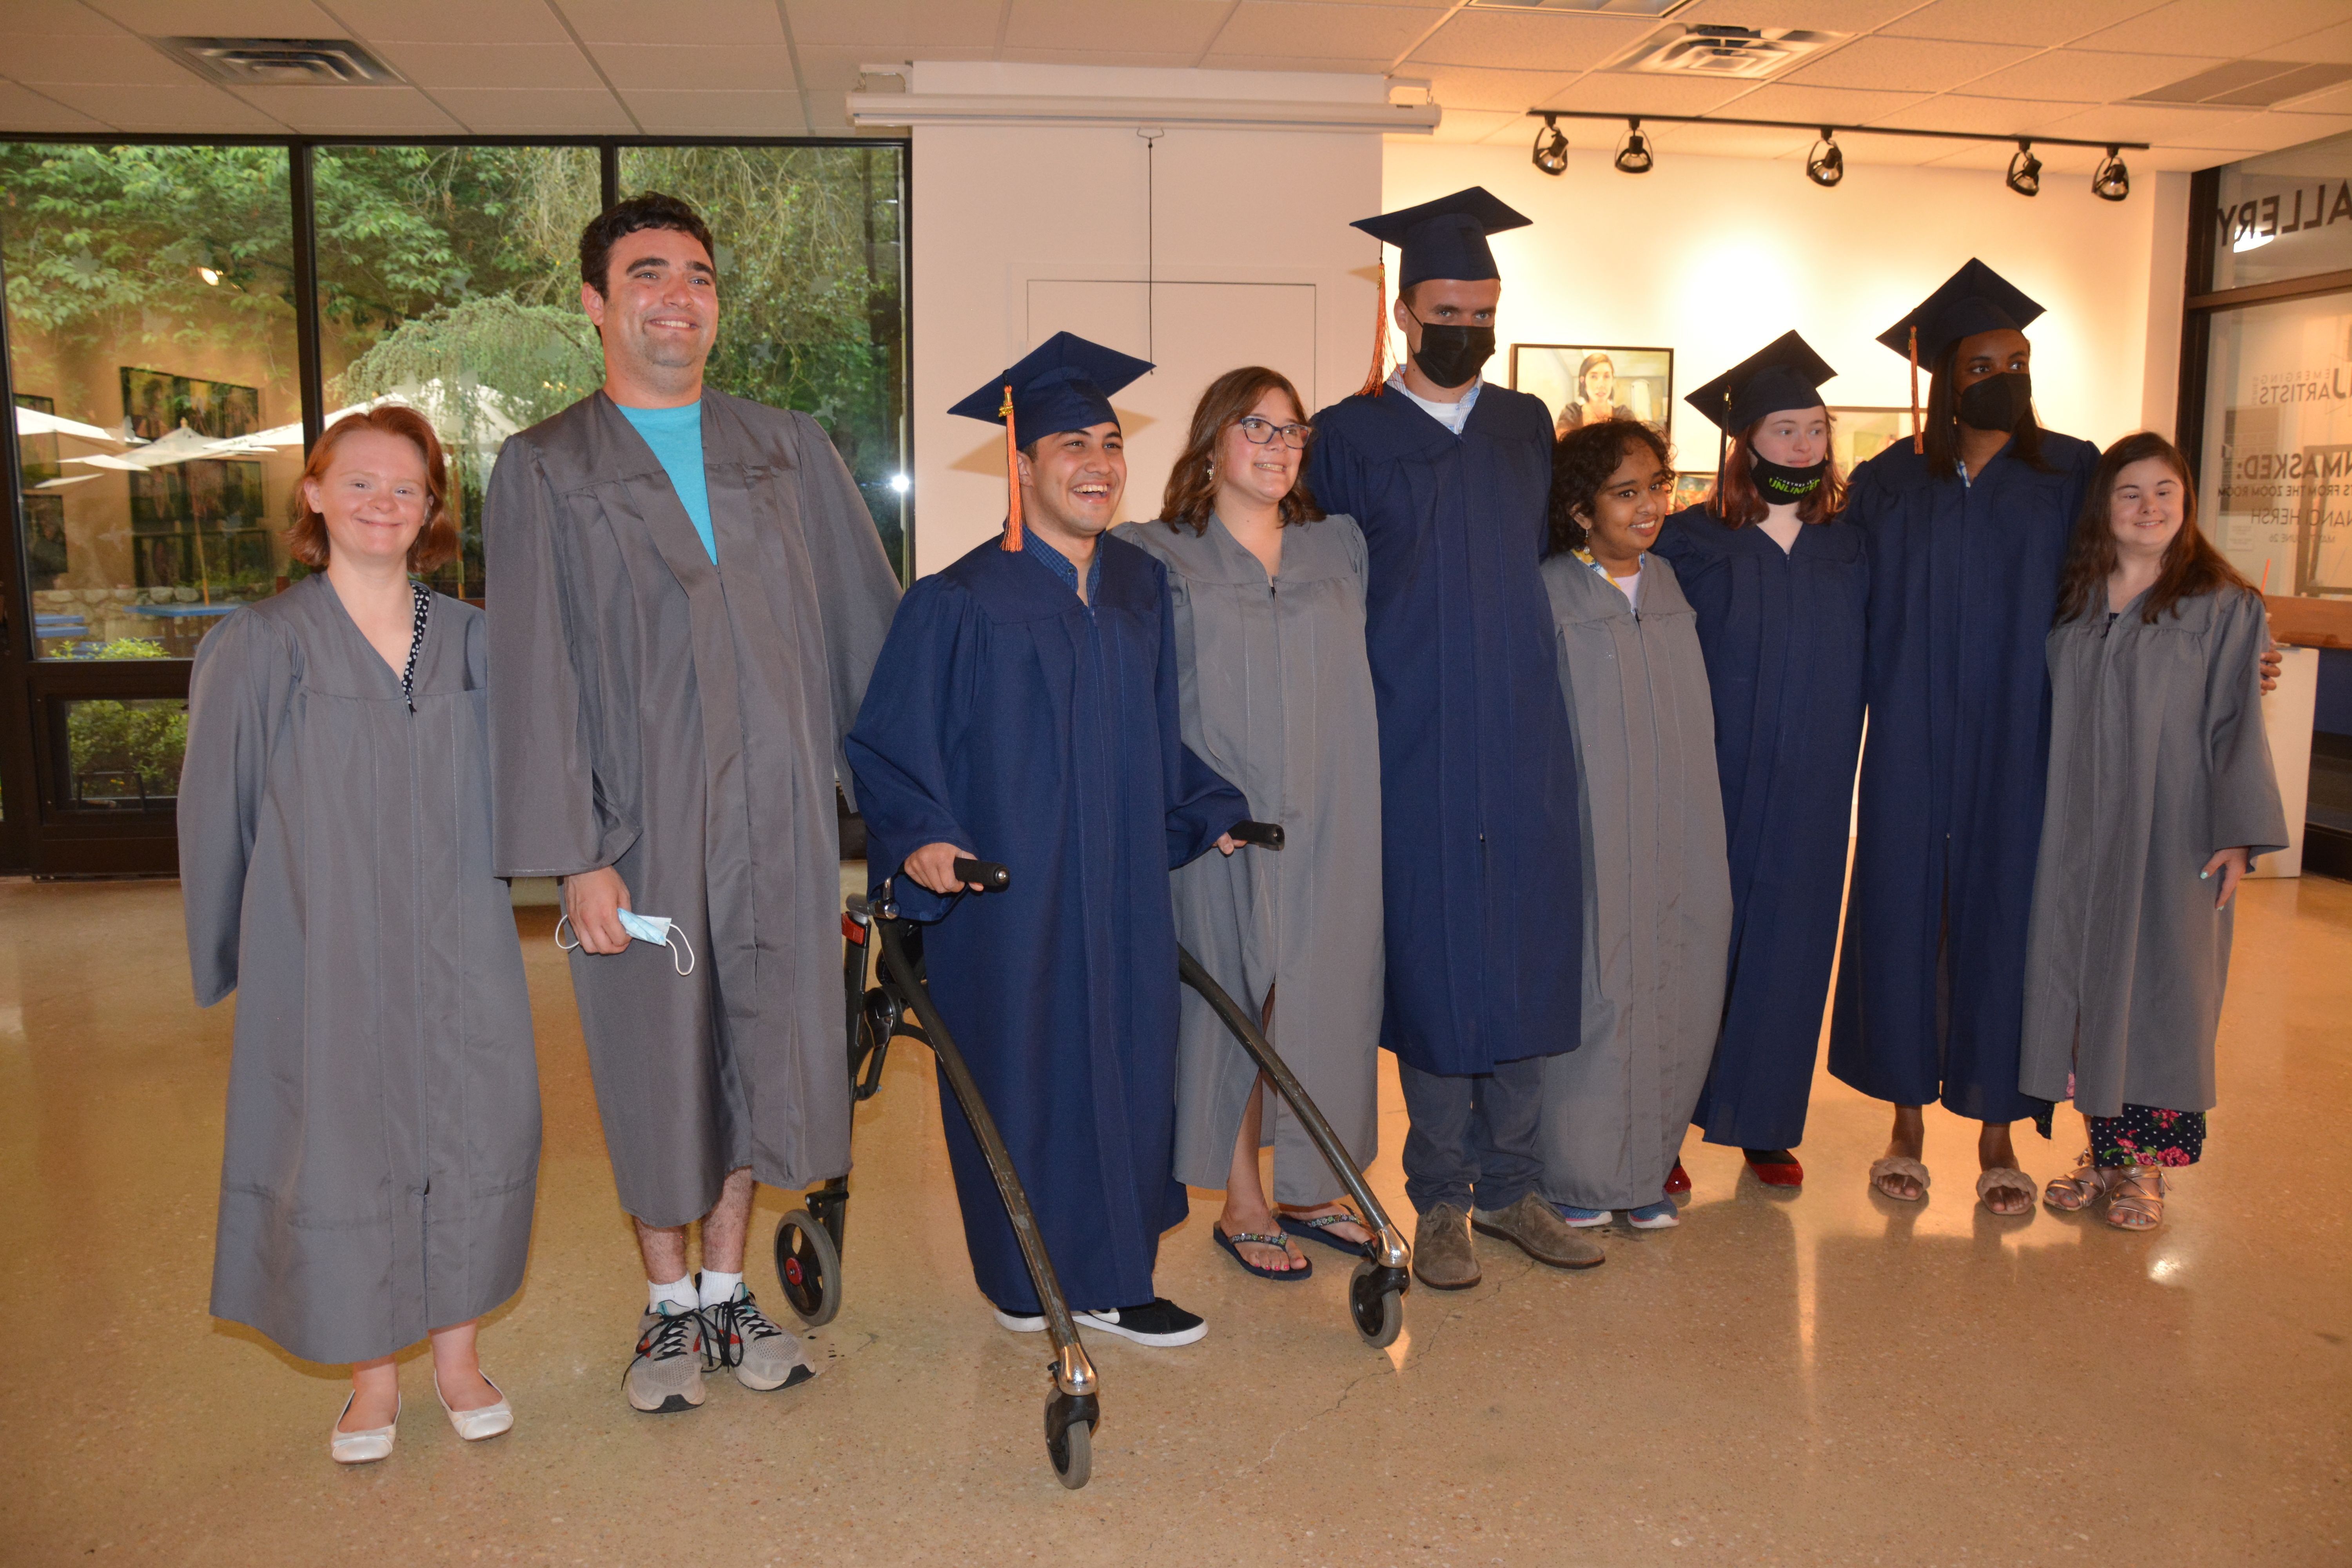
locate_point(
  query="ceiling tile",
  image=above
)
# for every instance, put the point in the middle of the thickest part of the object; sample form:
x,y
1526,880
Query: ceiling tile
x,y
163,108
1463,86
2180,127
1368,65
1041,54
721,23
2011,21
2095,75
1817,16
350,110
22,108
562,112
215,19
895,29
667,112
1915,64
687,68
1818,105
520,67
115,61
1183,27
2057,163
54,21
1308,31
1985,116
2193,26
451,22
1557,42
2338,102
2331,45
1639,92
2270,130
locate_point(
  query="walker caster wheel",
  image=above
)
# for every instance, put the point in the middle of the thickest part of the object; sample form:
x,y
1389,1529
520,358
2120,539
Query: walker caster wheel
x,y
1070,1437
1376,1302
808,1267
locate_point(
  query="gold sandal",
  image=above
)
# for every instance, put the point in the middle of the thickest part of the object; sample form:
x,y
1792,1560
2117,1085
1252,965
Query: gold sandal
x,y
2078,1189
2131,1205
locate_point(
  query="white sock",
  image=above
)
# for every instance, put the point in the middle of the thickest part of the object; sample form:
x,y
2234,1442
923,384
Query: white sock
x,y
717,1287
677,1292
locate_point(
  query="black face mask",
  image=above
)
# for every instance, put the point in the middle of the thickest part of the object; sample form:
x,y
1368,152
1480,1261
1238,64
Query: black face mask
x,y
1997,402
1451,355
1779,484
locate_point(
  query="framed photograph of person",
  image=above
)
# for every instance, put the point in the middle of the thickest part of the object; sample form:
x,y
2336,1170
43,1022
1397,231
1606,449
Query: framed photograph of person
x,y
1691,486
1581,385
1858,434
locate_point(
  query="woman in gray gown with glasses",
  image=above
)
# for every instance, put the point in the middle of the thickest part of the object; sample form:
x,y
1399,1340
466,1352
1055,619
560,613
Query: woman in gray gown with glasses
x,y
1276,694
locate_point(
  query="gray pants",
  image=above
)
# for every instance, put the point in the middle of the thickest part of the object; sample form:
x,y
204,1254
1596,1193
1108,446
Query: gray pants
x,y
1472,1141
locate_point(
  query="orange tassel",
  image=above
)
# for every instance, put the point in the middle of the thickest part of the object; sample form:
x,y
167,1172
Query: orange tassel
x,y
1919,441
1380,376
1011,478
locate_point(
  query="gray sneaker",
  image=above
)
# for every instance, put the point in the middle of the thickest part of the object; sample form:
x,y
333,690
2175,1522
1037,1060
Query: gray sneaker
x,y
739,1336
665,1375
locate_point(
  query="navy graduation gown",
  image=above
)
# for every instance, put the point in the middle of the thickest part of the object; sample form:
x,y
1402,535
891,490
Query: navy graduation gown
x,y
1963,585
1782,634
1479,862
1006,717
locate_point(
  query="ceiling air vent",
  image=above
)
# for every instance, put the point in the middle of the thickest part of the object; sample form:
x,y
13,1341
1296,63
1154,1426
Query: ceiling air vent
x,y
1745,52
280,62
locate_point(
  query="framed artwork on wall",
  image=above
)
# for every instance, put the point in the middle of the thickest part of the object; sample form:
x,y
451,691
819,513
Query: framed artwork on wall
x,y
1691,486
1858,434
200,527
1584,383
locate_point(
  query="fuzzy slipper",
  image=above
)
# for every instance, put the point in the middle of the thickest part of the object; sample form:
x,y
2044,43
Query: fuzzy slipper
x,y
2006,1179
1318,1228
1883,1171
1306,1265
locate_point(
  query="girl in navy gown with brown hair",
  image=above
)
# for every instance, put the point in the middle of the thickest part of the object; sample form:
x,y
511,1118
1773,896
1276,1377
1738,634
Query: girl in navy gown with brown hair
x,y
1780,581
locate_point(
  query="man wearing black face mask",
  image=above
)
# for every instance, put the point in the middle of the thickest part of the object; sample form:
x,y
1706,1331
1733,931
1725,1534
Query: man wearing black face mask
x,y
1448,477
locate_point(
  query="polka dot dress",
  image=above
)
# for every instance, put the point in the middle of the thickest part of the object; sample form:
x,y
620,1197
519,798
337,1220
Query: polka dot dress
x,y
423,598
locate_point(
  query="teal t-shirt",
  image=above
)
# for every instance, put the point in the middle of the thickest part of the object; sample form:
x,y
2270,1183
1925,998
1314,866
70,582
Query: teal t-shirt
x,y
676,436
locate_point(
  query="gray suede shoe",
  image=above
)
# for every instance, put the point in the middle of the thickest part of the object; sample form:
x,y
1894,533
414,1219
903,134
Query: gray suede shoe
x,y
1533,1227
1441,1255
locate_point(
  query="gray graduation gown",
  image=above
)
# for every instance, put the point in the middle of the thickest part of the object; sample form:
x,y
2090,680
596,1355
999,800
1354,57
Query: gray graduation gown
x,y
1657,888
1275,694
382,1132
2157,759
682,723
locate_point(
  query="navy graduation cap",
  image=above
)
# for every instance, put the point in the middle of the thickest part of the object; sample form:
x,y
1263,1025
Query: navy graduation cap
x,y
1784,373
1974,300
1447,237
1062,384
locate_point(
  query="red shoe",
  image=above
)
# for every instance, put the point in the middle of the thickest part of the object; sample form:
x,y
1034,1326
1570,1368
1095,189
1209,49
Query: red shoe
x,y
1775,1167
1678,1181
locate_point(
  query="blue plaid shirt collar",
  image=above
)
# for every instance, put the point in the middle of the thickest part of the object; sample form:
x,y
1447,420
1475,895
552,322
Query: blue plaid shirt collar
x,y
1061,565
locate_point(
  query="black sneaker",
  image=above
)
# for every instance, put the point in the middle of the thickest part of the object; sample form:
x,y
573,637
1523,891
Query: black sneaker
x,y
1161,1323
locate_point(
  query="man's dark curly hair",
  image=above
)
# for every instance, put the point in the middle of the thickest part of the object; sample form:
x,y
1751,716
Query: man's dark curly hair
x,y
648,209
1581,462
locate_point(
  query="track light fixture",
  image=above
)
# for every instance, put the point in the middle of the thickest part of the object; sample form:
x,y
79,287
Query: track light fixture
x,y
2025,170
1825,164
1633,154
1551,147
2111,182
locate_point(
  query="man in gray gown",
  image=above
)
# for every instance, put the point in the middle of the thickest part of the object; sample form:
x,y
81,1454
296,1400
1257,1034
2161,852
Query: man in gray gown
x,y
690,596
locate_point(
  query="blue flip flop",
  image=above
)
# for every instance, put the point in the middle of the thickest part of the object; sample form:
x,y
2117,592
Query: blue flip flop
x,y
1317,1229
1306,1265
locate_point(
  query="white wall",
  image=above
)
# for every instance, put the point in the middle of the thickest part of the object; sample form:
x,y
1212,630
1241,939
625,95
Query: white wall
x,y
1715,257
1020,231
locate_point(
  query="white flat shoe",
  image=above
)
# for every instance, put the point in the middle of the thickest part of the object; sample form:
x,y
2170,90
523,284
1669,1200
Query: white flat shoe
x,y
361,1448
473,1425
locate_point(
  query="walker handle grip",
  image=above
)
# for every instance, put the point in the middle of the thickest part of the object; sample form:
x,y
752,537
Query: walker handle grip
x,y
991,876
1264,835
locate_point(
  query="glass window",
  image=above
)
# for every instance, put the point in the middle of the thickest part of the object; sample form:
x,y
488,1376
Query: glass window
x,y
123,754
812,304
2284,214
150,330
449,279
2277,468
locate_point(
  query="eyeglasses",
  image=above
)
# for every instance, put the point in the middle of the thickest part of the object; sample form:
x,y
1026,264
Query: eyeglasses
x,y
1260,432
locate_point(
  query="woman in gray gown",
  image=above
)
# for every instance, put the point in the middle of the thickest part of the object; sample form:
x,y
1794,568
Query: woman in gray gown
x,y
1276,694
1657,886
383,1133
2160,796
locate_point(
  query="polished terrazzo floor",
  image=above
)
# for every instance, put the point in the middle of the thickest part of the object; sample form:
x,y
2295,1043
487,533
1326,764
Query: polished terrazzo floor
x,y
1831,1378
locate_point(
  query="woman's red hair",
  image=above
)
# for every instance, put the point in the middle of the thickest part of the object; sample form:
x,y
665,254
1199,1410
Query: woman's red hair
x,y
435,542
1735,499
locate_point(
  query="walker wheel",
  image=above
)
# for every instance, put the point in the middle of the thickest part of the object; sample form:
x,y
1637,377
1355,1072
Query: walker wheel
x,y
1070,1437
1376,1302
808,1267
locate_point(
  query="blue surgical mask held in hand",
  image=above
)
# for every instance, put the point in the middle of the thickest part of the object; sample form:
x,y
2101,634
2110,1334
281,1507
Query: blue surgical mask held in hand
x,y
655,929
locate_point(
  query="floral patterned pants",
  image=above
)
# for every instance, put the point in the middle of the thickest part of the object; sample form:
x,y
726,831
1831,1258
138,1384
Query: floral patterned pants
x,y
2144,1135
